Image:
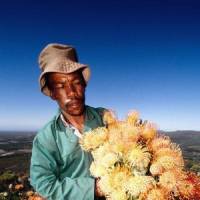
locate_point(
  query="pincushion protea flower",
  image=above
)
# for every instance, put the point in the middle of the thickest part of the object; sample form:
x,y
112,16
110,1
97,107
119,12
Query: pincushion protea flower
x,y
115,180
148,132
160,142
166,156
191,189
94,139
166,162
139,184
101,166
138,157
170,180
157,193
134,162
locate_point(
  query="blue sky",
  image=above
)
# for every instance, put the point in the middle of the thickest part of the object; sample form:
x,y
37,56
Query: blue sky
x,y
144,56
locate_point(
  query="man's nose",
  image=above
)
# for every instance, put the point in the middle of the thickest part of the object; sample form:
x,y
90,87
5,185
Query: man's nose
x,y
70,90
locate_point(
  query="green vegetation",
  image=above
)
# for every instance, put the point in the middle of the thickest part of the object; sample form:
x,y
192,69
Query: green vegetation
x,y
193,166
14,186
18,163
7,176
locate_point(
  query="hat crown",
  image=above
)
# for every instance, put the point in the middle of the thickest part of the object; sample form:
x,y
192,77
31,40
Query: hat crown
x,y
56,53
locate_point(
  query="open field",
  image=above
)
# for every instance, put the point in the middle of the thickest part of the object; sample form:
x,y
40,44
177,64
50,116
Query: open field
x,y
15,151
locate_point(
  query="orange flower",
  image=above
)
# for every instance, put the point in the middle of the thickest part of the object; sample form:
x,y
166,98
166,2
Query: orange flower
x,y
36,197
19,186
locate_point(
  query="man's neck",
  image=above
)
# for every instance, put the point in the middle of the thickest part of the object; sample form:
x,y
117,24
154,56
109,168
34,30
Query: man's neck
x,y
76,120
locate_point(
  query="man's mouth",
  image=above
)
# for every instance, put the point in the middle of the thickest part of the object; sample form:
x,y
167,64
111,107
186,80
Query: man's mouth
x,y
74,103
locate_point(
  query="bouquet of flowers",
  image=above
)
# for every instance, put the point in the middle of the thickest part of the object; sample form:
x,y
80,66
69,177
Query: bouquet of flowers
x,y
134,162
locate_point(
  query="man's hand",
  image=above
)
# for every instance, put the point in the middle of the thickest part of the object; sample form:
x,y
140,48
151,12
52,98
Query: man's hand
x,y
98,191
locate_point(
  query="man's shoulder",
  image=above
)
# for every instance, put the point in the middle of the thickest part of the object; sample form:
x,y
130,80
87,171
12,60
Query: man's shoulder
x,y
95,116
99,110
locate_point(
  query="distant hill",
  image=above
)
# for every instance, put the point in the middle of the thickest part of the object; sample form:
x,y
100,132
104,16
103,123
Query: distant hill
x,y
23,133
184,138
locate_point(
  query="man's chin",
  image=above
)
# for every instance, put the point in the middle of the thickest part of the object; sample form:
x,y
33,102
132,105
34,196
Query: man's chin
x,y
75,111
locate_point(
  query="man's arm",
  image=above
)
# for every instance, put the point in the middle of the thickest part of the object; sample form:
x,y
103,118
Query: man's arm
x,y
46,182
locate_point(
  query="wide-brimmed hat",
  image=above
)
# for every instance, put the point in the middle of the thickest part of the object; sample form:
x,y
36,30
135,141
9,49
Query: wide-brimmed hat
x,y
59,58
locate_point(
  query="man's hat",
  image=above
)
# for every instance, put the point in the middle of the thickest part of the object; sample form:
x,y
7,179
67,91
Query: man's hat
x,y
59,58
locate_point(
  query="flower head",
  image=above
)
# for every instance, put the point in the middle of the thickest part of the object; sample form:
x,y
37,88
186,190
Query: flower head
x,y
115,180
109,117
138,157
132,118
148,131
93,139
160,142
139,184
156,194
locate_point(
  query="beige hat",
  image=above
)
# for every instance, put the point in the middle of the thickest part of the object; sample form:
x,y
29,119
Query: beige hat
x,y
59,58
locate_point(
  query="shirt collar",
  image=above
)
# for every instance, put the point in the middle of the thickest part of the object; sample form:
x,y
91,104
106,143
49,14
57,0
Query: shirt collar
x,y
66,124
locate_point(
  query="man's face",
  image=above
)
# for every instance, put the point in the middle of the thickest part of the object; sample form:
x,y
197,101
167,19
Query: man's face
x,y
68,90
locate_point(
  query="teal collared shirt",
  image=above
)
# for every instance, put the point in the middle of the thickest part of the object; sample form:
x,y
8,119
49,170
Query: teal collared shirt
x,y
59,167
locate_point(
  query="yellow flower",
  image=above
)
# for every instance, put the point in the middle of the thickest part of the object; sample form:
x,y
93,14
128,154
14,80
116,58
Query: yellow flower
x,y
166,162
103,164
156,169
105,184
175,181
131,134
97,170
172,150
109,159
148,131
109,117
132,118
116,137
118,195
165,158
122,135
185,189
93,139
115,180
159,142
101,151
138,157
119,176
138,184
156,194
170,179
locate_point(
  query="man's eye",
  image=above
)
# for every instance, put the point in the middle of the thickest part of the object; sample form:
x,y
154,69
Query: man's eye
x,y
77,82
58,86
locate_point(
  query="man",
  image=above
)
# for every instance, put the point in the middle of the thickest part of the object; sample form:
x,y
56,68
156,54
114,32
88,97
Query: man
x,y
59,167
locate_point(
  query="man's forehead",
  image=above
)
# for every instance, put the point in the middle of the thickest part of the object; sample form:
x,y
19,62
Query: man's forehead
x,y
58,75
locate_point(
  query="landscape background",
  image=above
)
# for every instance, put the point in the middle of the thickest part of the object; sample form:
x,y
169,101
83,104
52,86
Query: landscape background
x,y
15,154
15,149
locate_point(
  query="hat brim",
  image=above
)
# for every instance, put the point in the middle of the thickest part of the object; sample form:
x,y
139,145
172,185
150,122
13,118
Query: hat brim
x,y
75,66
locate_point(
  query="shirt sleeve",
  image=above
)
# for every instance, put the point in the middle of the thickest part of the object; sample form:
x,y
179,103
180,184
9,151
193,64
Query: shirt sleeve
x,y
44,178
